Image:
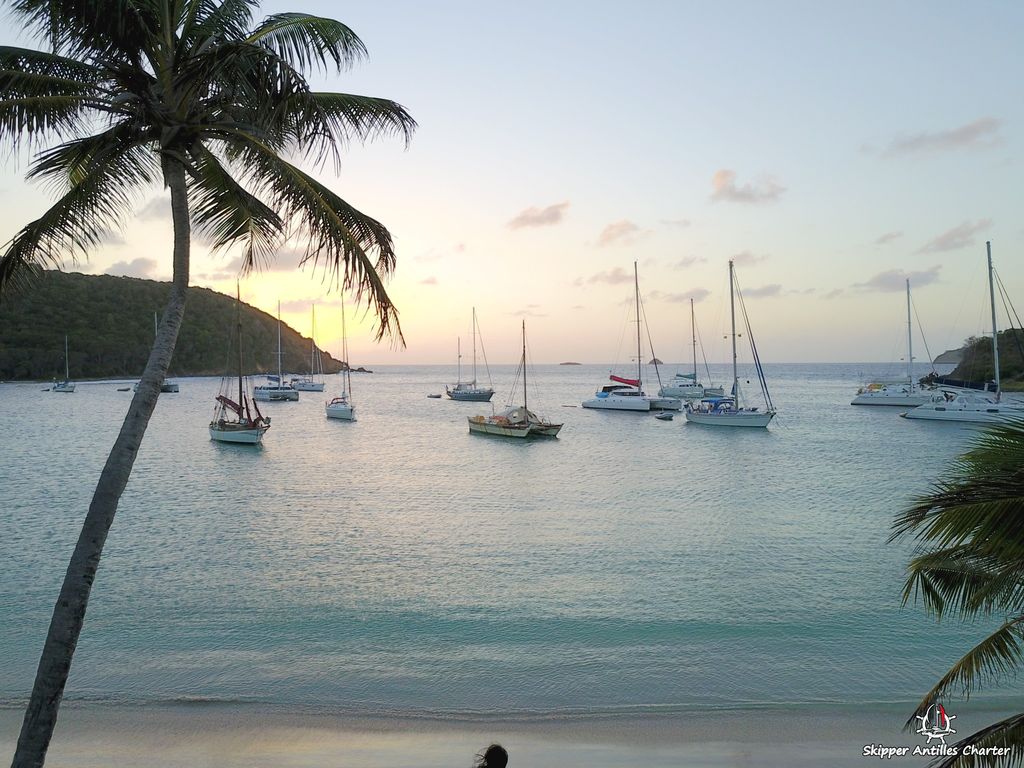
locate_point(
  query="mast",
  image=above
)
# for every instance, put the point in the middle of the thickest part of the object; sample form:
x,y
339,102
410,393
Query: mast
x,y
156,331
312,344
995,330
639,359
910,343
238,318
280,372
458,346
693,331
347,379
474,346
67,365
732,314
524,364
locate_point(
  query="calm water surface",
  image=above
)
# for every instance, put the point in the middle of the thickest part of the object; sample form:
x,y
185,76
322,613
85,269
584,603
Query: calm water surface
x,y
399,564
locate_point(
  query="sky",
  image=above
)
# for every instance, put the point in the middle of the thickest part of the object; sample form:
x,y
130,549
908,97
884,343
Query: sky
x,y
831,150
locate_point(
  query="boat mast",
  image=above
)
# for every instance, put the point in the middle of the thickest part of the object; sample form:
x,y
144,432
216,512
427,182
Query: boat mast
x,y
693,331
156,331
458,346
474,346
67,365
995,330
524,364
312,344
732,314
280,363
347,378
910,343
238,319
639,359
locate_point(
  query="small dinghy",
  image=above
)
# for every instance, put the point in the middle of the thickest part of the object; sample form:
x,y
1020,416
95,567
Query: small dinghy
x,y
664,416
434,397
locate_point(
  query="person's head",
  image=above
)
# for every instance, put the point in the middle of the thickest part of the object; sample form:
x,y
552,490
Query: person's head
x,y
494,756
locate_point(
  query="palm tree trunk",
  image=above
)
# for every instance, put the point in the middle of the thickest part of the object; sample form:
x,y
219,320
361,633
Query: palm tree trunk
x,y
69,612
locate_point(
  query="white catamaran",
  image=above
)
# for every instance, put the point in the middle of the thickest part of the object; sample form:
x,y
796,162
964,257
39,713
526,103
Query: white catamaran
x,y
468,390
234,422
515,420
968,406
729,411
311,383
275,390
686,385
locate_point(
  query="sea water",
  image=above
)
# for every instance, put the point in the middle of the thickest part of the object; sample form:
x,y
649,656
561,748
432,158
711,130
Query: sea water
x,y
400,565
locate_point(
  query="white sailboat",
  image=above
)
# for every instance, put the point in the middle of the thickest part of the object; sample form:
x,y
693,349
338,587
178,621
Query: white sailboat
x,y
628,394
468,390
905,393
969,406
729,411
275,390
234,422
341,407
686,385
316,366
515,420
67,386
165,386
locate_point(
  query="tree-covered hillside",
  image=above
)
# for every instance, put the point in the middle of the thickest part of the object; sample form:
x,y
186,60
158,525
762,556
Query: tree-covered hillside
x,y
976,362
109,323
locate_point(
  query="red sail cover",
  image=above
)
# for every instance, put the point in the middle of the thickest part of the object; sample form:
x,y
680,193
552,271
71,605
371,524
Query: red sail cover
x,y
230,404
631,382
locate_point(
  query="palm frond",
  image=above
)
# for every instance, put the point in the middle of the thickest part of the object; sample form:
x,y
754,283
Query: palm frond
x,y
306,40
85,28
324,122
226,213
71,163
1007,735
339,238
208,22
996,656
26,72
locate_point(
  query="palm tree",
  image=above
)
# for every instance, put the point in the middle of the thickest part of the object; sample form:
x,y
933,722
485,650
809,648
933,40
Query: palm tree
x,y
969,562
197,96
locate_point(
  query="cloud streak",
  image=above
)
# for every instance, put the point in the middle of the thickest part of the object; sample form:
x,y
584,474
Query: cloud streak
x,y
764,292
140,267
697,294
616,276
894,280
956,238
539,217
980,134
888,237
620,232
725,189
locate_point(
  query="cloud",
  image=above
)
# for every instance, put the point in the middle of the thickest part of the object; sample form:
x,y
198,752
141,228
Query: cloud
x,y
764,291
528,312
429,280
303,305
688,261
539,217
140,267
896,280
723,186
833,293
616,276
888,237
577,306
157,209
746,257
677,223
697,294
981,134
623,232
958,237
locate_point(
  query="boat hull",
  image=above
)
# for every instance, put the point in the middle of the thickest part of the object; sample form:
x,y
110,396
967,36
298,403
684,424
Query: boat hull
x,y
992,414
471,395
904,399
308,386
481,426
639,404
731,418
65,387
240,436
342,411
684,391
666,404
274,394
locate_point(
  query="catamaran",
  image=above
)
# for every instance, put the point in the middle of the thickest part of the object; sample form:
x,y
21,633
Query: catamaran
x,y
969,406
316,366
686,385
729,411
275,390
341,407
903,393
67,386
627,394
234,422
515,420
468,390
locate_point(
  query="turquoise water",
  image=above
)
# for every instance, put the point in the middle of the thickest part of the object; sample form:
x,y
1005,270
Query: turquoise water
x,y
399,565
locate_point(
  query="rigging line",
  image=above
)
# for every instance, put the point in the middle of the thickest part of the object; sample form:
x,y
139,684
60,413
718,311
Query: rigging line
x,y
703,356
647,327
753,347
484,353
1002,289
920,329
1007,306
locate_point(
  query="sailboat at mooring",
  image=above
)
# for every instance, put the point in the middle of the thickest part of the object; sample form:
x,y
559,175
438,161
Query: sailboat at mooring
x,y
233,421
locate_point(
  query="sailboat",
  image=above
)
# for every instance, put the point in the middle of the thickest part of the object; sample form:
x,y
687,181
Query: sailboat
x,y
970,406
276,390
165,386
728,411
468,390
341,407
316,365
515,420
900,392
686,385
233,422
67,386
628,394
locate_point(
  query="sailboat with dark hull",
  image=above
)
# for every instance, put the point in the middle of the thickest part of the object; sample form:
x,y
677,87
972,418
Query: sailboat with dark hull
x,y
469,390
238,421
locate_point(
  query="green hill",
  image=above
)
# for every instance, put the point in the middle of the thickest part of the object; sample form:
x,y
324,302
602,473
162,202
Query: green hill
x,y
109,323
976,361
